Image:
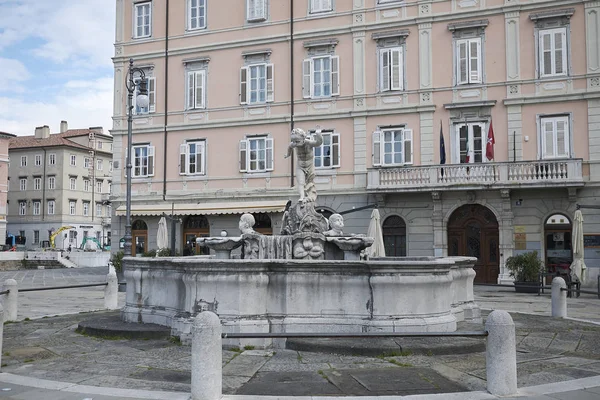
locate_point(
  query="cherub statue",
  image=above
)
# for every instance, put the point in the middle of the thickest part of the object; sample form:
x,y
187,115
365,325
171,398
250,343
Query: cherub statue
x,y
247,223
305,173
336,224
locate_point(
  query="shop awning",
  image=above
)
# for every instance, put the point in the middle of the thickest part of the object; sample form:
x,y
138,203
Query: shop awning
x,y
206,208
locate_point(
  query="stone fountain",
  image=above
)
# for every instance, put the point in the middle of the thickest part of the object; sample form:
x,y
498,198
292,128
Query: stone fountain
x,y
310,278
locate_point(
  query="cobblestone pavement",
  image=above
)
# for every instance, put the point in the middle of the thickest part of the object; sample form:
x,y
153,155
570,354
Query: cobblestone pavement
x,y
46,359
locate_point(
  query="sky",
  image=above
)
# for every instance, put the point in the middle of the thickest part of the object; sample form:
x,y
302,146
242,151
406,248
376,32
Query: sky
x,y
55,64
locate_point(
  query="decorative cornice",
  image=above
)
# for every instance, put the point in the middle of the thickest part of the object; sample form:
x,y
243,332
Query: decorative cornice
x,y
250,53
320,43
470,104
565,12
390,34
480,23
196,60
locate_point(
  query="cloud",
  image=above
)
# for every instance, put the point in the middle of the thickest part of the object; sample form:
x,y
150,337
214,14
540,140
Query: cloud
x,y
12,73
70,31
81,104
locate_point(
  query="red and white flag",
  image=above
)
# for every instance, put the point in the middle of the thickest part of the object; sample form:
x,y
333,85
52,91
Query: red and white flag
x,y
489,148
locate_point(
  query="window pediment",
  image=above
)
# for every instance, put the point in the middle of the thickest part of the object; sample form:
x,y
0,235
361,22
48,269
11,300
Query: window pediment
x,y
563,13
396,34
480,23
321,43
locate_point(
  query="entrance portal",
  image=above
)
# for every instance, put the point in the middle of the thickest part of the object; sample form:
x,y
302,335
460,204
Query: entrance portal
x,y
473,232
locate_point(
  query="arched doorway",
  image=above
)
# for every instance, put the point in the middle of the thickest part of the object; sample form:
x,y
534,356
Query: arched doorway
x,y
195,226
559,253
473,232
263,223
139,237
394,236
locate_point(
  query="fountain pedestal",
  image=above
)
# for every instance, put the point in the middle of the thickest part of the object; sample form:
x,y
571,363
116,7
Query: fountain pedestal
x,y
222,246
351,245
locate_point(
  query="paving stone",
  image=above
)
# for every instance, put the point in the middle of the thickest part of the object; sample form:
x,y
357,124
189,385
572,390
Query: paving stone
x,y
285,383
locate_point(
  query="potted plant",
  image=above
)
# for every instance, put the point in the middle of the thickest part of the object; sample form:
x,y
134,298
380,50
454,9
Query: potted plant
x,y
525,268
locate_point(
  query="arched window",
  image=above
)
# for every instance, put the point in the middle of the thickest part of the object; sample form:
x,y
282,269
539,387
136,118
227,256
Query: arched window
x,y
139,237
263,223
195,226
394,236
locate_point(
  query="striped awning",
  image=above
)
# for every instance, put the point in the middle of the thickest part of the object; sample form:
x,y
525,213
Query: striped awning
x,y
202,208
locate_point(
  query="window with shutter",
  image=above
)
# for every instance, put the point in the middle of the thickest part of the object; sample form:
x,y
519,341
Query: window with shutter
x,y
392,146
196,92
327,155
151,96
552,52
555,137
391,69
143,161
192,157
256,154
142,20
468,61
321,6
196,14
321,77
244,85
256,10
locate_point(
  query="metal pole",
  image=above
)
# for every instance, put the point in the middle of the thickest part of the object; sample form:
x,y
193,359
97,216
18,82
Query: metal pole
x,y
130,89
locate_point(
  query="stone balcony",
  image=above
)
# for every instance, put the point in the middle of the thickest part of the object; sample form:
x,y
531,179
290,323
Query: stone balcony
x,y
496,175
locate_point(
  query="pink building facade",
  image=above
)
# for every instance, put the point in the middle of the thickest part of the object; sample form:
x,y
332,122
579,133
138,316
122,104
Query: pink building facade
x,y
4,164
407,93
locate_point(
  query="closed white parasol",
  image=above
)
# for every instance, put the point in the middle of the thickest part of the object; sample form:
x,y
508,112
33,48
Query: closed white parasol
x,y
162,236
578,265
377,249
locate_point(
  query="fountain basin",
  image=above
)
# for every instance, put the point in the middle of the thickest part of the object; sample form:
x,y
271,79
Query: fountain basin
x,y
397,295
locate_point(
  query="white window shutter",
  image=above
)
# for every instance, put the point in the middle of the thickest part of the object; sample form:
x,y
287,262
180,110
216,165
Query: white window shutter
x,y
306,78
475,61
327,4
183,158
150,160
244,85
376,148
270,83
269,153
545,53
397,79
560,52
199,95
408,146
384,68
151,94
243,158
335,149
335,75
191,91
462,55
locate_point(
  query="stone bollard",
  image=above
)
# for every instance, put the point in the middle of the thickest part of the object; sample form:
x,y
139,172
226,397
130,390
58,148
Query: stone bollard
x,y
1,334
111,290
559,298
10,304
207,357
501,354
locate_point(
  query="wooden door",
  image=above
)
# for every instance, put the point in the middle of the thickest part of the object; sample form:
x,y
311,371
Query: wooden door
x,y
473,232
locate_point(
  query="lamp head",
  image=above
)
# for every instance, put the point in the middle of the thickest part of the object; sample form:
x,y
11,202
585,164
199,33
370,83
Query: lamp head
x,y
142,93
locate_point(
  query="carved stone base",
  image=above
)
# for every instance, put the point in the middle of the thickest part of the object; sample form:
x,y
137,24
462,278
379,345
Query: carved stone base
x,y
308,246
302,217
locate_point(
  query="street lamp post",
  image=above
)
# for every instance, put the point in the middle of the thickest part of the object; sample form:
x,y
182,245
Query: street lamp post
x,y
141,101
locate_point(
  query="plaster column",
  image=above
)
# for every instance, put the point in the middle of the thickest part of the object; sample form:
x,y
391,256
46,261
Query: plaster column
x,y
592,42
428,146
501,354
515,132
594,135
440,245
425,63
207,369
360,152
11,301
559,298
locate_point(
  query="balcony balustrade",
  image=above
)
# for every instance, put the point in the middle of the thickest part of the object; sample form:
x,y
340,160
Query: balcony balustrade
x,y
546,173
